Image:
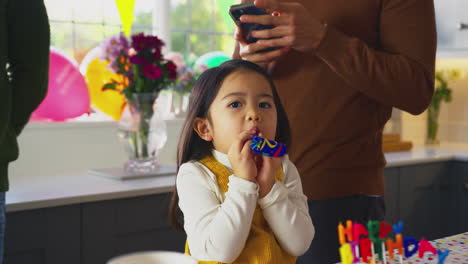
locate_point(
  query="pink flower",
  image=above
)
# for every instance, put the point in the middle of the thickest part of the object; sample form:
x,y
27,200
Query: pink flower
x,y
177,58
152,71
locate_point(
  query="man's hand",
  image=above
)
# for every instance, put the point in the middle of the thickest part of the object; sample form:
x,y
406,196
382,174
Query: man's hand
x,y
294,28
249,51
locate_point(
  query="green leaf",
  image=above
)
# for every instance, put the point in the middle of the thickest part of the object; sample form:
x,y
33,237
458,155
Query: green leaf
x,y
110,86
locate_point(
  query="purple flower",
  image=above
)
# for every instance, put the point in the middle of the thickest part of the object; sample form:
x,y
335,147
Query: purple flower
x,y
115,46
137,60
114,66
152,71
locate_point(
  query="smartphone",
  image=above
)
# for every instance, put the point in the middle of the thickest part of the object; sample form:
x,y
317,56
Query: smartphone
x,y
236,11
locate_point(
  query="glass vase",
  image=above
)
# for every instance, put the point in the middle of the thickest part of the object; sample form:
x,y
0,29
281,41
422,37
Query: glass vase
x,y
143,133
182,102
432,124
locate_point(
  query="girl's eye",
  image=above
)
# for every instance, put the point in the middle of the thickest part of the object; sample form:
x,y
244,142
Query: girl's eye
x,y
235,105
265,105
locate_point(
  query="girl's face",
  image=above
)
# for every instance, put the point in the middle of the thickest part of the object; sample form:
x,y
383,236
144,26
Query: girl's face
x,y
244,102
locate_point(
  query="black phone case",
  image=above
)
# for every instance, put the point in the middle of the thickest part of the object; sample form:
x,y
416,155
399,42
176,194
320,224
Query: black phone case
x,y
236,11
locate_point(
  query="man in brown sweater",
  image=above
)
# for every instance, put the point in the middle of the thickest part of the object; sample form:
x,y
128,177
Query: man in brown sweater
x,y
343,66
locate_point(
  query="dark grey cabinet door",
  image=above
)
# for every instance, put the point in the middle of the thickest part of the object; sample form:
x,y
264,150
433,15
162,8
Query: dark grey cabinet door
x,y
462,206
424,194
392,194
43,236
460,191
116,227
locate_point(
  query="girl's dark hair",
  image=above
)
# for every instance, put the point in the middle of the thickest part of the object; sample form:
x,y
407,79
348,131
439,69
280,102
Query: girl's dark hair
x,y
204,91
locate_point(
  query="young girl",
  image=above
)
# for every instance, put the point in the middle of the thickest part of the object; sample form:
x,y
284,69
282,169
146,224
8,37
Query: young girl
x,y
237,206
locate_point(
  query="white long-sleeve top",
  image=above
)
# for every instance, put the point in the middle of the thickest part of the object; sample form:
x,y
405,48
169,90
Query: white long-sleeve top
x,y
217,227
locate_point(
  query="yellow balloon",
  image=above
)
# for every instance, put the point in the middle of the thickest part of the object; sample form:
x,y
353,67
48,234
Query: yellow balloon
x,y
108,101
125,8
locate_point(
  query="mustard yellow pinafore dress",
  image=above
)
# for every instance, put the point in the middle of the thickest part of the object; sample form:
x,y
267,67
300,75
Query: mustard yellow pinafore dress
x,y
261,246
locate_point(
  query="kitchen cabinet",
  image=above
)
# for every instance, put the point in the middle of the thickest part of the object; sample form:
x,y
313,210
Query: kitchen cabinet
x,y
431,198
460,191
116,227
392,194
90,233
424,194
43,236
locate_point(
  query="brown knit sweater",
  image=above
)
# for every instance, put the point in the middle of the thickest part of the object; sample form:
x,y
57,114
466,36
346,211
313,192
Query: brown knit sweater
x,y
375,55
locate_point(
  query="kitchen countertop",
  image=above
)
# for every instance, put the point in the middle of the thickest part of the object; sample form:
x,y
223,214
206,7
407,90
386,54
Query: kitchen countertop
x,y
80,187
425,154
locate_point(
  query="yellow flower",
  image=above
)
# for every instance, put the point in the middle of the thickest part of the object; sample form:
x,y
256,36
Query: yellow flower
x,y
448,74
457,74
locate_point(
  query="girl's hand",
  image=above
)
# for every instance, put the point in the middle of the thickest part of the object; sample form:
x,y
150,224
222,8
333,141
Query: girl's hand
x,y
267,168
295,27
241,157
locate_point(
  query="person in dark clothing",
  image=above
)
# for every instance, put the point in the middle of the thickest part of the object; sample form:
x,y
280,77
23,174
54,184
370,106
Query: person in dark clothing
x,y
24,67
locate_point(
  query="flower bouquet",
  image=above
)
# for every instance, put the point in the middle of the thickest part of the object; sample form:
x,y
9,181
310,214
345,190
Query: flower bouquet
x,y
145,73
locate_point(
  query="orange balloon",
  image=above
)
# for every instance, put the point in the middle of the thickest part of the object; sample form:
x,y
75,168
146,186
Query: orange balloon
x,y
110,102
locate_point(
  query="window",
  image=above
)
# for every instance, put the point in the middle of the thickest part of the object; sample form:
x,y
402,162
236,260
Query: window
x,y
191,27
195,26
78,26
201,26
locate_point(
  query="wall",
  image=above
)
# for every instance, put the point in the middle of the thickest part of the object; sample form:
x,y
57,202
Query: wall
x,y
54,148
453,119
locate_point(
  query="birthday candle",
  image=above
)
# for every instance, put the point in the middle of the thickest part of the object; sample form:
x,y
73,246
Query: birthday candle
x,y
358,231
407,241
348,232
442,255
373,228
425,246
355,250
365,249
346,254
384,229
384,255
398,230
398,244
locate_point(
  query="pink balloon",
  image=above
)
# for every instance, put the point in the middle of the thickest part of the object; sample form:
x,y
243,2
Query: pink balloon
x,y
67,95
